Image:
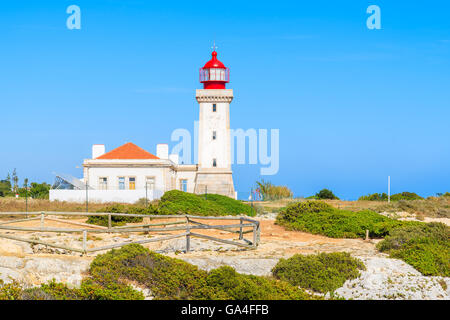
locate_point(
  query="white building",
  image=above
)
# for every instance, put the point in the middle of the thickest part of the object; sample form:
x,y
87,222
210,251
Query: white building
x,y
129,173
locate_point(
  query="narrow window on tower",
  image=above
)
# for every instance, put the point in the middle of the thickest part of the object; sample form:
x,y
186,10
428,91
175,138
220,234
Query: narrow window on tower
x,y
214,135
214,107
214,163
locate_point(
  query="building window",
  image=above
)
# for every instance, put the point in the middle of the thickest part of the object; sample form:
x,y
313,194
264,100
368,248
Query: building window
x,y
121,183
183,185
150,183
132,183
214,135
214,107
103,183
214,163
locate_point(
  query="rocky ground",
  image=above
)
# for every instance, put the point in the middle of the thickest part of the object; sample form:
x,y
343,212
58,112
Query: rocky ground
x,y
384,278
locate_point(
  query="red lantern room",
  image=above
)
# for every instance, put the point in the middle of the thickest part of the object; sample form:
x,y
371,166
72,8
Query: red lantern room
x,y
214,74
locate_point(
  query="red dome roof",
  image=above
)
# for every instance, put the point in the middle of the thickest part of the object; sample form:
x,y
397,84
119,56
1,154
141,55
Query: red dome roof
x,y
214,63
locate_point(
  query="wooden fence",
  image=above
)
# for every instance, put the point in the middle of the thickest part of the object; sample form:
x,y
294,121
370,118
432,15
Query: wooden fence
x,y
187,224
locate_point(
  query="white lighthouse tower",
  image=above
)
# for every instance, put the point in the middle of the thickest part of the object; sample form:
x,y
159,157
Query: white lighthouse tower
x,y
214,173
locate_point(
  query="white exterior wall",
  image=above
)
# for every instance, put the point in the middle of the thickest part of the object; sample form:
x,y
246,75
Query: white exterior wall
x,y
102,196
190,177
113,174
219,121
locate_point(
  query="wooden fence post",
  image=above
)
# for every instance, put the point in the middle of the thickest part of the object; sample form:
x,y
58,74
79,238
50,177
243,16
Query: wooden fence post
x,y
188,240
109,222
241,236
254,235
258,234
367,234
84,241
188,235
42,220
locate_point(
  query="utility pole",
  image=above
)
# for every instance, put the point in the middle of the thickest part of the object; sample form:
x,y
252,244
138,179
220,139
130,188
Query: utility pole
x,y
146,193
87,201
389,189
26,198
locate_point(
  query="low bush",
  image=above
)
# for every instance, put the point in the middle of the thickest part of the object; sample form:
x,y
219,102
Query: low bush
x,y
89,290
403,234
425,246
10,291
170,278
405,196
326,194
294,210
228,284
374,197
395,197
318,217
324,272
429,257
178,202
119,208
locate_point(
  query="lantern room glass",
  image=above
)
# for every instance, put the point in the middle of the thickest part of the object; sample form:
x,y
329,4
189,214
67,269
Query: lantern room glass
x,y
214,74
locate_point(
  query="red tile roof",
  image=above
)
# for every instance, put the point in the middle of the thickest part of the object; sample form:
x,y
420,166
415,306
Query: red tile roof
x,y
128,151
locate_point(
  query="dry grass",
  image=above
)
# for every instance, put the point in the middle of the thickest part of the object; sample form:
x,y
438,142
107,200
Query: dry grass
x,y
434,207
8,204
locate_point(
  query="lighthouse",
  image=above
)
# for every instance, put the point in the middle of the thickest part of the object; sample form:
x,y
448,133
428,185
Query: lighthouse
x,y
214,173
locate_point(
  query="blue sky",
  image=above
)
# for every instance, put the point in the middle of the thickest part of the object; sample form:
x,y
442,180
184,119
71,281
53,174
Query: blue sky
x,y
353,105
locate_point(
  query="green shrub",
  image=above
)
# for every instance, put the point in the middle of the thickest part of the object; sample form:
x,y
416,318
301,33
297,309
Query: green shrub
x,y
95,289
374,197
178,202
401,235
170,278
10,291
248,287
90,289
324,272
319,218
326,194
167,278
395,197
429,257
294,210
425,246
36,293
119,221
405,196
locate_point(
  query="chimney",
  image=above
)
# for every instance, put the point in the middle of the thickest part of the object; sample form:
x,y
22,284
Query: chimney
x,y
174,158
162,151
98,150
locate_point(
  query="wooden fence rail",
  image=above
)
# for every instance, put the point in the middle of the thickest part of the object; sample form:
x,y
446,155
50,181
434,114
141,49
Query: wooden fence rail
x,y
187,224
